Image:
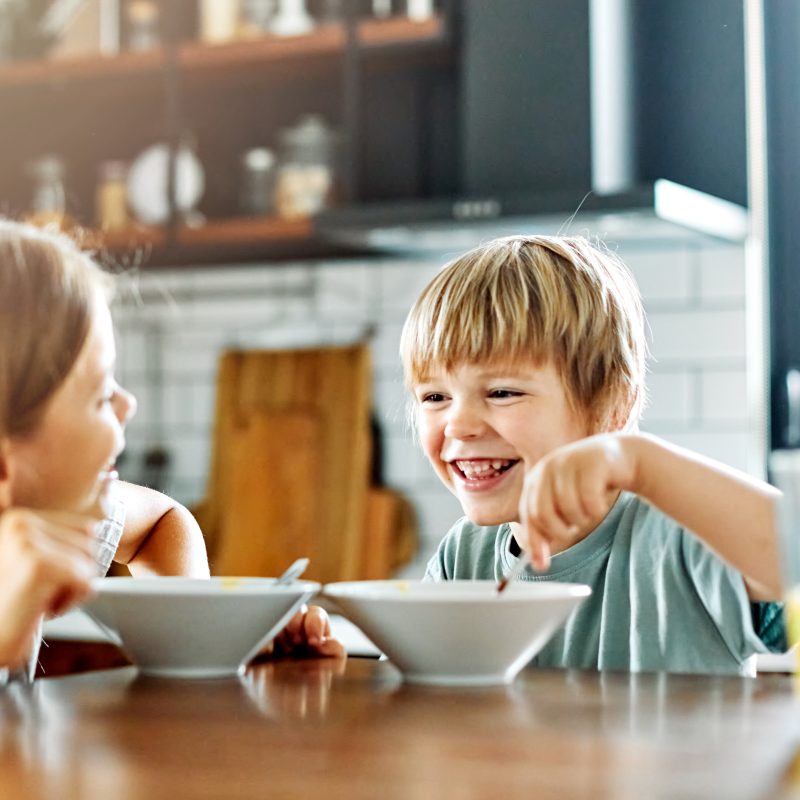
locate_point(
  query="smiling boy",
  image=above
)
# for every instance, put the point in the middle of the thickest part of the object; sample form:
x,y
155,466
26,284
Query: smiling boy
x,y
526,360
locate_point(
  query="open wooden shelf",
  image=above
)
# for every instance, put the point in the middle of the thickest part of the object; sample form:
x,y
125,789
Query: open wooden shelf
x,y
397,31
24,74
135,236
220,232
240,235
242,230
323,41
327,40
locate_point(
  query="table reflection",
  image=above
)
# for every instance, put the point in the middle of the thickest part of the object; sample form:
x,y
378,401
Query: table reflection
x,y
302,693
353,728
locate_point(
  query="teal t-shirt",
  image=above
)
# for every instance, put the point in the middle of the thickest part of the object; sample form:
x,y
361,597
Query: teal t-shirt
x,y
661,599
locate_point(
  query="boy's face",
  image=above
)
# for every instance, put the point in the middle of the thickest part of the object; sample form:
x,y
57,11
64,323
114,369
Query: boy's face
x,y
481,426
64,463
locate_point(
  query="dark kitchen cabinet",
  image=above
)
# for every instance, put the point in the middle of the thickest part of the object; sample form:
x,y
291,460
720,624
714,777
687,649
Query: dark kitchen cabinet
x,y
782,57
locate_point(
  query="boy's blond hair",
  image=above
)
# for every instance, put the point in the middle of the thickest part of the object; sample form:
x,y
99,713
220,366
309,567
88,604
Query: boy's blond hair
x,y
47,290
538,298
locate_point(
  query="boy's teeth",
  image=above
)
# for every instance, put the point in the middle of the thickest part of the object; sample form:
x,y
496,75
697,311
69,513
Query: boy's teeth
x,y
482,469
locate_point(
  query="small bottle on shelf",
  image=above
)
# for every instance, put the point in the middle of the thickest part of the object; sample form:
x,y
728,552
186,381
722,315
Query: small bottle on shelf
x,y
111,197
257,16
143,25
381,8
258,181
219,20
48,201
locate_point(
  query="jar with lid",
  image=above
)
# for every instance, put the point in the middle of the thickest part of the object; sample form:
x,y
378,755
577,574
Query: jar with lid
x,y
305,179
111,197
258,181
48,201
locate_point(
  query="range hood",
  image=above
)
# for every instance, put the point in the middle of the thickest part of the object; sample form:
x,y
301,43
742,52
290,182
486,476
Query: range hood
x,y
592,187
661,210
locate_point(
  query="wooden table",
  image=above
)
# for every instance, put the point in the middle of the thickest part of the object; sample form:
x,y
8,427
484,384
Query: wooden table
x,y
352,729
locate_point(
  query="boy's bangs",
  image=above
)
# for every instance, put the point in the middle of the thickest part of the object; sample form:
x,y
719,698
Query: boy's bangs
x,y
466,334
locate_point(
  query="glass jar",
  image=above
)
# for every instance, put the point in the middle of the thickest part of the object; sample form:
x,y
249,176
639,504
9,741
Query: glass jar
x,y
258,181
381,8
257,15
111,197
48,201
305,179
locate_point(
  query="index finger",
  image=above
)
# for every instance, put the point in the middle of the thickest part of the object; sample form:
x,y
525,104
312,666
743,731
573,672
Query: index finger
x,y
317,625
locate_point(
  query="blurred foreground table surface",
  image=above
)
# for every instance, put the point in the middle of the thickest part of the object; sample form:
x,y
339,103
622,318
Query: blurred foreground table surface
x,y
352,729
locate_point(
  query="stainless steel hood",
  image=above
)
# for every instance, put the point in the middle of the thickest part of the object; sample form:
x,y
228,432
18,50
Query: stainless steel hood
x,y
609,201
662,210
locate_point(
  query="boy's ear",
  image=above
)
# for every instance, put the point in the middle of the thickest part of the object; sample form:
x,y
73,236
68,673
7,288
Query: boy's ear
x,y
622,412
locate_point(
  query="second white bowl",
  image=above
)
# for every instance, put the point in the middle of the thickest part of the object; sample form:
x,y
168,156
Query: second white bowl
x,y
457,632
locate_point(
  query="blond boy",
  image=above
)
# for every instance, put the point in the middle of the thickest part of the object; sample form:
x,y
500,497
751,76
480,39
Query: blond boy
x,y
525,359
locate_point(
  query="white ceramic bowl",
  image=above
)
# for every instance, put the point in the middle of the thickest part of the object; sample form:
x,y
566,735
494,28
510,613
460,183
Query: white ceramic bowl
x,y
194,628
457,632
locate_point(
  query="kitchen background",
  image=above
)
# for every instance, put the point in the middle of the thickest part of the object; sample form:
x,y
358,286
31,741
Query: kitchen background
x,y
290,173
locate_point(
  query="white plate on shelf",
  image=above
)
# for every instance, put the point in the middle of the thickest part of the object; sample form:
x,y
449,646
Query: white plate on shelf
x,y
148,193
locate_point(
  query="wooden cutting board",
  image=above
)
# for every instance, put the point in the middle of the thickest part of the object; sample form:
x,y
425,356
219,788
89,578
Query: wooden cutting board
x,y
291,449
272,513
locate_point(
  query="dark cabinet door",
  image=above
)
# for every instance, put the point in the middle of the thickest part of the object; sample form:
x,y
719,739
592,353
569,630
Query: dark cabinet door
x,y
782,56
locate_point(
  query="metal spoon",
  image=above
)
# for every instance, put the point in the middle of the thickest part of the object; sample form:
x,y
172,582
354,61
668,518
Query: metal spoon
x,y
293,572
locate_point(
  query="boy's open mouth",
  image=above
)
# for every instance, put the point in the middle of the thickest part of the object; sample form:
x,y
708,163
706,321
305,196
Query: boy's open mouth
x,y
482,469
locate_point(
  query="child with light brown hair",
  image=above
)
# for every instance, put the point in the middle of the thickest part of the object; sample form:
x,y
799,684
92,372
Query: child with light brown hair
x,y
525,359
63,514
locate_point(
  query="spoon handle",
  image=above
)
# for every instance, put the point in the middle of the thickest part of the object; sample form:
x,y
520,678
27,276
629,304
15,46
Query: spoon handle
x,y
514,572
294,571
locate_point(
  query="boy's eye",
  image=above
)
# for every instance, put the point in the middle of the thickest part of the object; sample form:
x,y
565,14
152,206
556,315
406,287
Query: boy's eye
x,y
502,394
432,397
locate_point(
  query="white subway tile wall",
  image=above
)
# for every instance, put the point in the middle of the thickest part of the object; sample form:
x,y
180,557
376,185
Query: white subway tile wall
x,y
173,325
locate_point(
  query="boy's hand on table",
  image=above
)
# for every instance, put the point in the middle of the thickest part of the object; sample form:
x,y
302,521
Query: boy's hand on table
x,y
308,633
568,492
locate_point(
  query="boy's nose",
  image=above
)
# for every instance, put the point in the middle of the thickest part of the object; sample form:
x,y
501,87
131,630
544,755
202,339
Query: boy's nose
x,y
125,405
464,421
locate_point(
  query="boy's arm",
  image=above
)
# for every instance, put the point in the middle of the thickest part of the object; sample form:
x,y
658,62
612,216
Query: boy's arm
x,y
160,537
730,511
568,492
